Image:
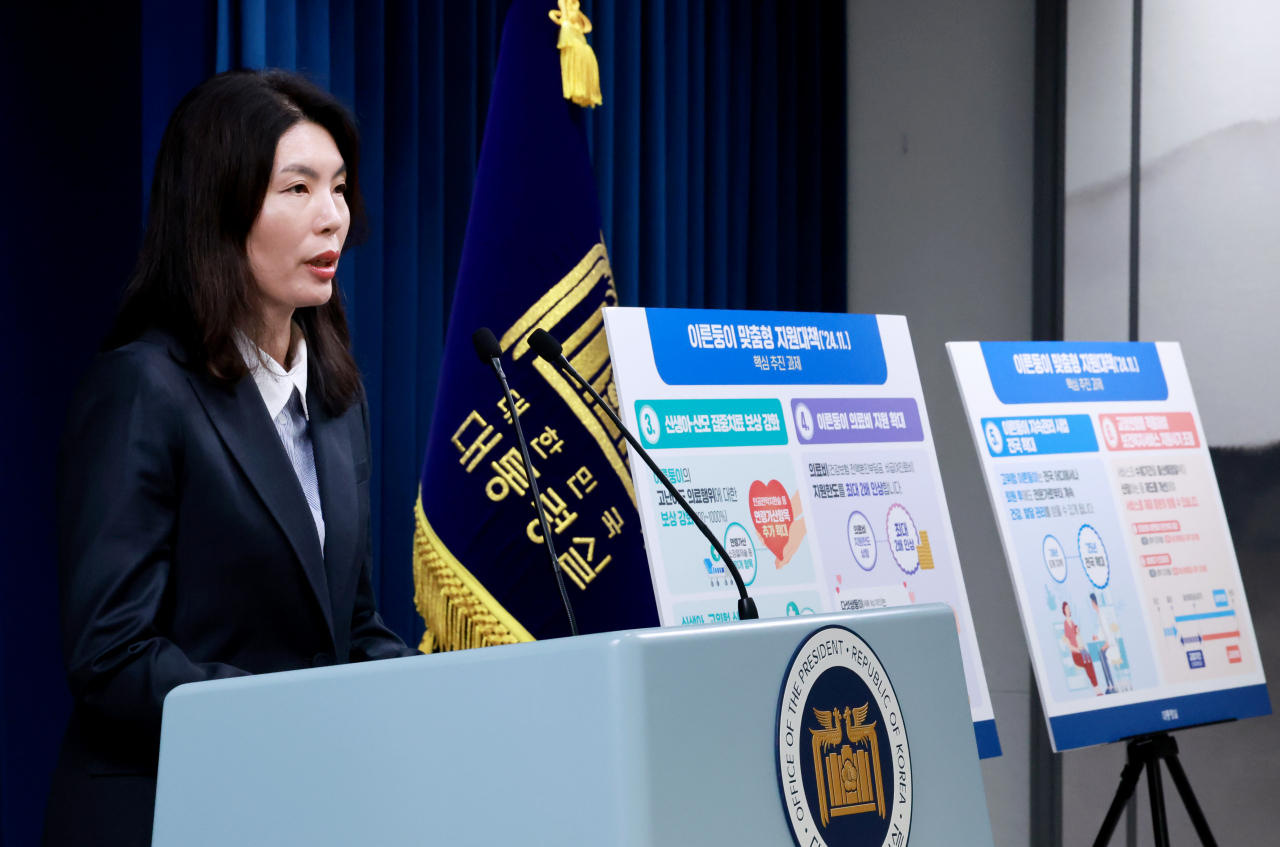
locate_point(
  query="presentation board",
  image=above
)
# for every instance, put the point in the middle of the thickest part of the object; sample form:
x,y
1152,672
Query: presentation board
x,y
1115,536
802,441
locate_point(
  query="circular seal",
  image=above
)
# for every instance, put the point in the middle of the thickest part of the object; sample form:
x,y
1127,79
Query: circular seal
x,y
1109,433
904,540
994,439
804,421
1093,555
1054,559
844,767
649,424
743,550
862,541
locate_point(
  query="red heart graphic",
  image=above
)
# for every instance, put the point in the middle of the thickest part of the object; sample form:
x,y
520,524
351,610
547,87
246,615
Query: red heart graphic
x,y
771,513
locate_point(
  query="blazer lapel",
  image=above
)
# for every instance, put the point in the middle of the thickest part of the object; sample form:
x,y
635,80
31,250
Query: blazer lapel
x,y
335,473
241,419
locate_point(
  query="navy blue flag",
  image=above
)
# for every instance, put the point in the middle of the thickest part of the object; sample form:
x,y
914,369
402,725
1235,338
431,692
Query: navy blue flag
x,y
534,256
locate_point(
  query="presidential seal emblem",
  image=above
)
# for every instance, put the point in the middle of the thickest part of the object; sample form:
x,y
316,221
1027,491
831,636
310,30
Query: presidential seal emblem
x,y
844,766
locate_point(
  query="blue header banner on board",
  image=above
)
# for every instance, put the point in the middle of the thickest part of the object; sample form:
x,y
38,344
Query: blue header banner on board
x,y
723,347
1039,435
1074,371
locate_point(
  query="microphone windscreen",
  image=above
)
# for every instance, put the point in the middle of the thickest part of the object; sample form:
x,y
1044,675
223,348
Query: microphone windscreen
x,y
487,347
544,344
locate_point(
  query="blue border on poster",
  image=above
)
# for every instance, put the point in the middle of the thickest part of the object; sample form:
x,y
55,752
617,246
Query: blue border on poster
x,y
1101,726
988,739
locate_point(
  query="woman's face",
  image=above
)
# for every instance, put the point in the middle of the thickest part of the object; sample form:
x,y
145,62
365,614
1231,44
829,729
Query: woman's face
x,y
296,240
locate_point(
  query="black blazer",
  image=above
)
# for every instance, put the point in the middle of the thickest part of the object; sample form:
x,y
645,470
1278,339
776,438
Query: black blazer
x,y
187,552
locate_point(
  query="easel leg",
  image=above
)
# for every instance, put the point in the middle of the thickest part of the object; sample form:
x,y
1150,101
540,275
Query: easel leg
x,y
1147,751
1159,825
1128,780
1189,800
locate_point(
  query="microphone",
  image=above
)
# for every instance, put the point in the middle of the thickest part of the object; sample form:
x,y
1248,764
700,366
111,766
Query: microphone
x,y
545,345
490,353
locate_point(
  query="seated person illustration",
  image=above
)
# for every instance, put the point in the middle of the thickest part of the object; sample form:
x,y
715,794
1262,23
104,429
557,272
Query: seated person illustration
x,y
1079,656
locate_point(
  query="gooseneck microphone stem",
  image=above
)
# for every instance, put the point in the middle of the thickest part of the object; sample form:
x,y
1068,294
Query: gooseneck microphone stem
x,y
746,606
496,363
537,498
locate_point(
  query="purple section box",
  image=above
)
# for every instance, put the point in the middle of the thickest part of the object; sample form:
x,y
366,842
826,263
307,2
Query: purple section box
x,y
827,420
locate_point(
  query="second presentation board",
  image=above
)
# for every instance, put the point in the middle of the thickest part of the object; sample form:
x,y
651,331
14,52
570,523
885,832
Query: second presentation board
x,y
1115,536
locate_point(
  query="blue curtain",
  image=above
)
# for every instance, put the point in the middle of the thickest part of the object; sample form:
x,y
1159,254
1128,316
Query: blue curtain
x,y
718,153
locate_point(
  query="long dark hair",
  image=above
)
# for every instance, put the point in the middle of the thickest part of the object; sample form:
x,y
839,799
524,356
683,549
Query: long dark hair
x,y
193,278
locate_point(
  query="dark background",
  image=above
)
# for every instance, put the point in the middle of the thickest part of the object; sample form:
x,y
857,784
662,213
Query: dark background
x,y
70,231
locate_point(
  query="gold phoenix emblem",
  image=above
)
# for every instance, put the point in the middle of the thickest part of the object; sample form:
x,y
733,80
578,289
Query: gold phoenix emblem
x,y
853,784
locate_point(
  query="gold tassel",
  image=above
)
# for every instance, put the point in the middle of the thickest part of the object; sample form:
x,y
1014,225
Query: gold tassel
x,y
459,611
579,70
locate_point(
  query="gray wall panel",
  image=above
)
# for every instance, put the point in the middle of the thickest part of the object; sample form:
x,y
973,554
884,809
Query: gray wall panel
x,y
940,198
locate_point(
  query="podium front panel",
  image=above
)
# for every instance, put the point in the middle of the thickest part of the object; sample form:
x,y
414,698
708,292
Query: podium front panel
x,y
646,737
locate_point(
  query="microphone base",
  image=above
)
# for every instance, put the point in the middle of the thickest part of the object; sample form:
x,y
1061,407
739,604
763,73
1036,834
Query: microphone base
x,y
747,609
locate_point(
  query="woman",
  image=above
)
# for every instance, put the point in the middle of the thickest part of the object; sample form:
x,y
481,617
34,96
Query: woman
x,y
1079,655
213,484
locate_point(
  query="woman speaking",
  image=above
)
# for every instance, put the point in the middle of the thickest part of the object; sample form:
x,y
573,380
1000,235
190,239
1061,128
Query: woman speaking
x,y
213,484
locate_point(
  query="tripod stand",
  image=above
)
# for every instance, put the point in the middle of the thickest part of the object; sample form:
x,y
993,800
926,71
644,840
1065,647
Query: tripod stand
x,y
1147,751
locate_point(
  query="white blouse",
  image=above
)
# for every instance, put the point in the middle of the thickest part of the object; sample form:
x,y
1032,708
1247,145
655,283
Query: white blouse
x,y
285,395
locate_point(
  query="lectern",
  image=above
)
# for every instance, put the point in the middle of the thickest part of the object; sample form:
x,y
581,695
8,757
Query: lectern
x,y
646,737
